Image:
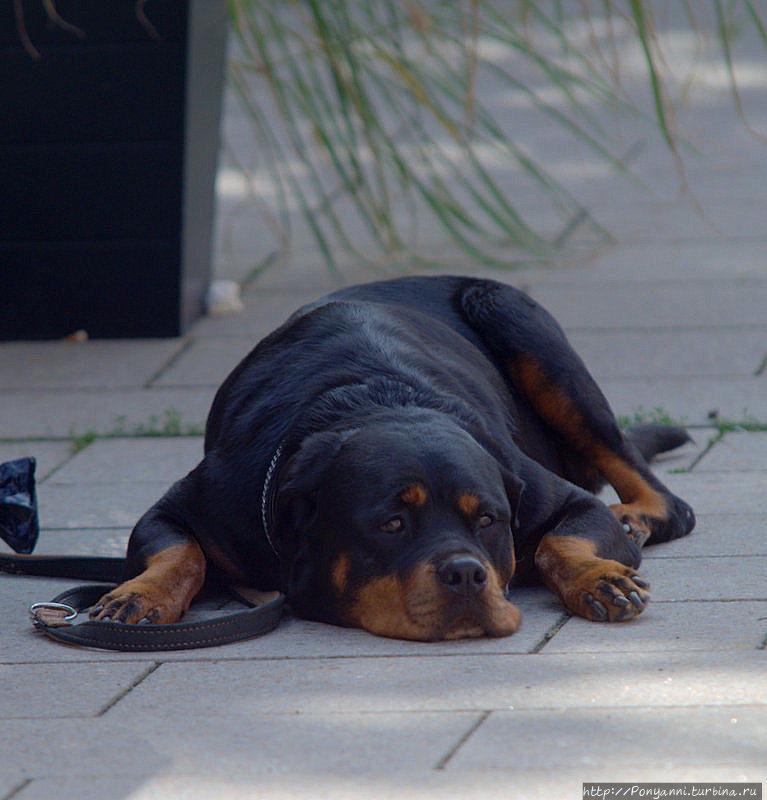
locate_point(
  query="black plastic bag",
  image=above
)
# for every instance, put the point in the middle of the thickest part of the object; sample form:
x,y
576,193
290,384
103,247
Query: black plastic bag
x,y
18,505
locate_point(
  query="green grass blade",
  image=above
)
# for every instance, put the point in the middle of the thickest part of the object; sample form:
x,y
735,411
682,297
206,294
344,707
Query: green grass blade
x,y
643,34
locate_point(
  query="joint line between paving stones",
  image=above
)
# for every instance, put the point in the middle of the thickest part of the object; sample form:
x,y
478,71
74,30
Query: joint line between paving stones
x,y
72,453
583,214
119,696
445,760
168,364
706,450
17,789
550,633
713,599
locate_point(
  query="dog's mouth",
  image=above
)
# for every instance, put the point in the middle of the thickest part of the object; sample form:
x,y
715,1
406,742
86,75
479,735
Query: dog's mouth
x,y
421,608
489,614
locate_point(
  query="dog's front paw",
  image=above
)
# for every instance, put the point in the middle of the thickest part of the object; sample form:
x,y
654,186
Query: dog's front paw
x,y
606,592
137,601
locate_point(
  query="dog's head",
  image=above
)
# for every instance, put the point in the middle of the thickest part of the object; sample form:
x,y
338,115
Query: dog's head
x,y
402,527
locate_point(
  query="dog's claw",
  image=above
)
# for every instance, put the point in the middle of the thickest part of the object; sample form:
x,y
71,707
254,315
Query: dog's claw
x,y
636,599
619,600
599,611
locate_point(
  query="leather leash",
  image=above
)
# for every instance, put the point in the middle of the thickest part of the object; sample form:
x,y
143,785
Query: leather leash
x,y
55,618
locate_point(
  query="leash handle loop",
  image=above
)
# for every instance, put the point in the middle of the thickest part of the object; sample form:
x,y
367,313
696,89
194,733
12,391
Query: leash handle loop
x,y
211,632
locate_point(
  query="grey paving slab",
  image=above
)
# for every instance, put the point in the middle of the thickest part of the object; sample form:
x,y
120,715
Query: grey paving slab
x,y
689,399
466,784
303,749
667,627
49,455
207,362
729,260
30,691
460,683
264,311
676,220
246,244
12,780
716,535
738,166
703,578
736,452
242,241
594,738
102,505
652,304
709,494
96,364
90,541
660,215
657,354
143,460
64,413
306,270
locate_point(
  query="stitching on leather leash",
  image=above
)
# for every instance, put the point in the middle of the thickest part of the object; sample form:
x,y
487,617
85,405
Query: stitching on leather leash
x,y
266,496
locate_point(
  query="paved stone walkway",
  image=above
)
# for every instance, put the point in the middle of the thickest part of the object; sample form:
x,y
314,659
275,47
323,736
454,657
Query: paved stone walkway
x,y
671,316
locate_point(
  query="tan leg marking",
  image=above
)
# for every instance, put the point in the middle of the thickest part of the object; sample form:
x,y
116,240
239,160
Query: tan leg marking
x,y
640,502
598,589
162,593
340,574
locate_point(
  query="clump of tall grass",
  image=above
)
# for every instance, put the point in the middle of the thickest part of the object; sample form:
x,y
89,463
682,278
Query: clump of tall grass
x,y
367,114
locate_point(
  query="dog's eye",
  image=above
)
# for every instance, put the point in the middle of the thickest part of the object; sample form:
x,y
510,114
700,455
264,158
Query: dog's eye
x,y
485,521
394,525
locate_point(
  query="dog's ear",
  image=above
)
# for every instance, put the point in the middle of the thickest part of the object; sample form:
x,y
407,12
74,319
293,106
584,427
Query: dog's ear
x,y
295,502
514,487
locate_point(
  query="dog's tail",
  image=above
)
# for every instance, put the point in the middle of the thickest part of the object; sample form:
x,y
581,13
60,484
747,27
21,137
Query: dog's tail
x,y
652,438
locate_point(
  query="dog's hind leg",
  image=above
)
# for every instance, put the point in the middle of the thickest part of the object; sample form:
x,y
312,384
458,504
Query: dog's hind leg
x,y
533,353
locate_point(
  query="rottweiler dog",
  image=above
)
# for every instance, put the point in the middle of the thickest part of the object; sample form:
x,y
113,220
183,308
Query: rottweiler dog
x,y
393,455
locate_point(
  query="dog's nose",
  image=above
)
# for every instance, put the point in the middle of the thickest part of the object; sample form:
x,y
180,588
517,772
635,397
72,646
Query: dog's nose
x,y
465,575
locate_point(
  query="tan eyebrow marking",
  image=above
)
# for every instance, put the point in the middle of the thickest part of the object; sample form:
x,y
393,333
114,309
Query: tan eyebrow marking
x,y
468,503
414,495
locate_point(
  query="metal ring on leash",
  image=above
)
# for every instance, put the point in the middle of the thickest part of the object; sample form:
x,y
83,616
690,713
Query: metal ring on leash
x,y
60,610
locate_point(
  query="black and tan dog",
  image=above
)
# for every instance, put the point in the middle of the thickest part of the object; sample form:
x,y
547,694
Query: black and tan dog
x,y
393,455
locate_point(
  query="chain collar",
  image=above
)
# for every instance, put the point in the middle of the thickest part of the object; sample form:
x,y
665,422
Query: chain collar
x,y
267,497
